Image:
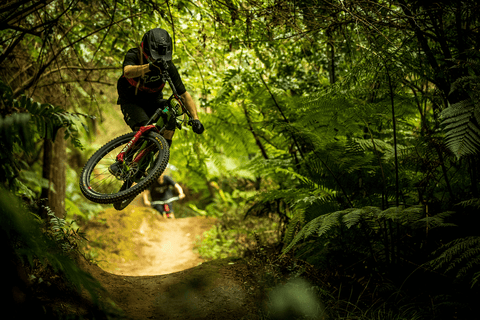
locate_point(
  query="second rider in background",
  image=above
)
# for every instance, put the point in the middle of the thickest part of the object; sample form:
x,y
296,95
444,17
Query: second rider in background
x,y
161,190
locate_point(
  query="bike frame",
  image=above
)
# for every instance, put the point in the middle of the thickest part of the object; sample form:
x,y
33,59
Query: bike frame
x,y
166,78
128,146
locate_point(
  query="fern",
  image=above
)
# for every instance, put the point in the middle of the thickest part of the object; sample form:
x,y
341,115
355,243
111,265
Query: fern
x,y
367,218
47,119
462,132
462,119
475,202
461,257
63,233
29,121
318,226
21,230
295,223
355,216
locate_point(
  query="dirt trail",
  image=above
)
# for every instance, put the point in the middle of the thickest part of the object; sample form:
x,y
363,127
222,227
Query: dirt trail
x,y
166,246
151,270
154,272
212,290
138,241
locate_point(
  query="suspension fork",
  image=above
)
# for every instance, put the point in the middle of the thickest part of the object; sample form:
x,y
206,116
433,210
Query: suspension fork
x,y
131,143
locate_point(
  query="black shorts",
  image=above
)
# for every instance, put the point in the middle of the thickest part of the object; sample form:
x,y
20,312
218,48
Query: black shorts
x,y
163,208
136,115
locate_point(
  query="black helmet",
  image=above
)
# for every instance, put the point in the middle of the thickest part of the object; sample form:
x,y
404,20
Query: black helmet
x,y
157,43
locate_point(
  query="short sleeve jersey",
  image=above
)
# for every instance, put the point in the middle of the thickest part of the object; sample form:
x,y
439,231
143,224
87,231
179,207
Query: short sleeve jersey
x,y
162,191
151,90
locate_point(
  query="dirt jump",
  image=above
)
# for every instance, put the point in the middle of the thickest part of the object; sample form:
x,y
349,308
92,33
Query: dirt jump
x,y
150,270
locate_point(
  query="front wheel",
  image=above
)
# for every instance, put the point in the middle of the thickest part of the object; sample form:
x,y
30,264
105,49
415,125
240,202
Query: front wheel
x,y
99,185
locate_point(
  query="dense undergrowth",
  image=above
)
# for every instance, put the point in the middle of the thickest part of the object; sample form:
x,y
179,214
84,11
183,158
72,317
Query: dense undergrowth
x,y
41,260
341,143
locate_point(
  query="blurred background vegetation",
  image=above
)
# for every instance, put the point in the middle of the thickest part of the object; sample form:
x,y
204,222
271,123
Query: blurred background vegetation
x,y
342,133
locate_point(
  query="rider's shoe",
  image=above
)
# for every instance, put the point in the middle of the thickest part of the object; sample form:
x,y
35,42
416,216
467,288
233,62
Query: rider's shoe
x,y
115,168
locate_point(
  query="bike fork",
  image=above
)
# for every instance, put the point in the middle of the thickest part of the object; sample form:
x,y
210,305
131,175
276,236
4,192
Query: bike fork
x,y
121,156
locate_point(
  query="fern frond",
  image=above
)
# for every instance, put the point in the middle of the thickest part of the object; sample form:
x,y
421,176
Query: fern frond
x,y
318,226
368,144
475,202
294,224
355,216
228,88
330,220
460,256
461,131
367,217
435,221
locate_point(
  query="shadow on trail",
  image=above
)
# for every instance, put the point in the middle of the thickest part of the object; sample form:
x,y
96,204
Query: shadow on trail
x,y
152,272
213,290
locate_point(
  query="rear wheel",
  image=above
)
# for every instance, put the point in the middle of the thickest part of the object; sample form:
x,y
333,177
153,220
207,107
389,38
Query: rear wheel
x,y
130,178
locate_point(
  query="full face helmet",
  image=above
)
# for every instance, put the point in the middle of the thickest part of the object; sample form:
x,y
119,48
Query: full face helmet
x,y
157,43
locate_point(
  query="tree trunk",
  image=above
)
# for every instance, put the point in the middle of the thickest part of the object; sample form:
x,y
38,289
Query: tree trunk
x,y
331,67
54,170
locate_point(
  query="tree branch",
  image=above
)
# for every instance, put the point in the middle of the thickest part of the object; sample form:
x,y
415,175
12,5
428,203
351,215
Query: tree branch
x,y
29,83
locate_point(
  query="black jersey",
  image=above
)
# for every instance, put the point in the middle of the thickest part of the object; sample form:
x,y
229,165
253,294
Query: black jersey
x,y
162,191
152,86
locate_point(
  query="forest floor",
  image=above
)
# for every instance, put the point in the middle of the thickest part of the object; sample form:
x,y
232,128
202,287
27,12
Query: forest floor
x,y
146,267
150,269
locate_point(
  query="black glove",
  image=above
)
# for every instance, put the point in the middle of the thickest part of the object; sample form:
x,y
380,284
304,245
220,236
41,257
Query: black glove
x,y
197,126
154,70
161,63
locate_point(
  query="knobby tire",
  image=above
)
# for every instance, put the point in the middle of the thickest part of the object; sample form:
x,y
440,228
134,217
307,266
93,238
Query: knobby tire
x,y
121,190
120,205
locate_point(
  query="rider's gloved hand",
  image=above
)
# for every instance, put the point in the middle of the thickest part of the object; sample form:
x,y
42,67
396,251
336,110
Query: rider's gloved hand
x,y
154,70
161,63
197,126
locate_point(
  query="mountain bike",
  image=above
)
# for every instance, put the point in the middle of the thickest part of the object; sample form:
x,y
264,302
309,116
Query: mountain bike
x,y
124,167
164,203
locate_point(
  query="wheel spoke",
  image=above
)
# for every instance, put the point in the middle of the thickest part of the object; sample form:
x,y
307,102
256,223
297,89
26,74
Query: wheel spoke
x,y
99,184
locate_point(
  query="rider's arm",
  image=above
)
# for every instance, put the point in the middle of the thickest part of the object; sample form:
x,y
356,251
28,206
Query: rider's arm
x,y
145,197
135,71
181,195
190,104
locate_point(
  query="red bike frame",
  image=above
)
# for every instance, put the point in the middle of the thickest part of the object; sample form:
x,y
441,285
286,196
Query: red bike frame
x,y
136,137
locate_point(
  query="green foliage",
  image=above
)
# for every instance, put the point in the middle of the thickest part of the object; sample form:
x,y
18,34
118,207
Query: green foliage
x,y
218,244
21,131
64,234
78,210
323,106
461,258
293,226
234,232
462,118
47,119
372,226
22,231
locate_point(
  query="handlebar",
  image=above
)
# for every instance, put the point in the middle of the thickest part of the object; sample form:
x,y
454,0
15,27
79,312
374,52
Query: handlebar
x,y
166,78
165,201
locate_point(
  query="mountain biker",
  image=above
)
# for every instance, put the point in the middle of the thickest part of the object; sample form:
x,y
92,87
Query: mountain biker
x,y
140,86
161,190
